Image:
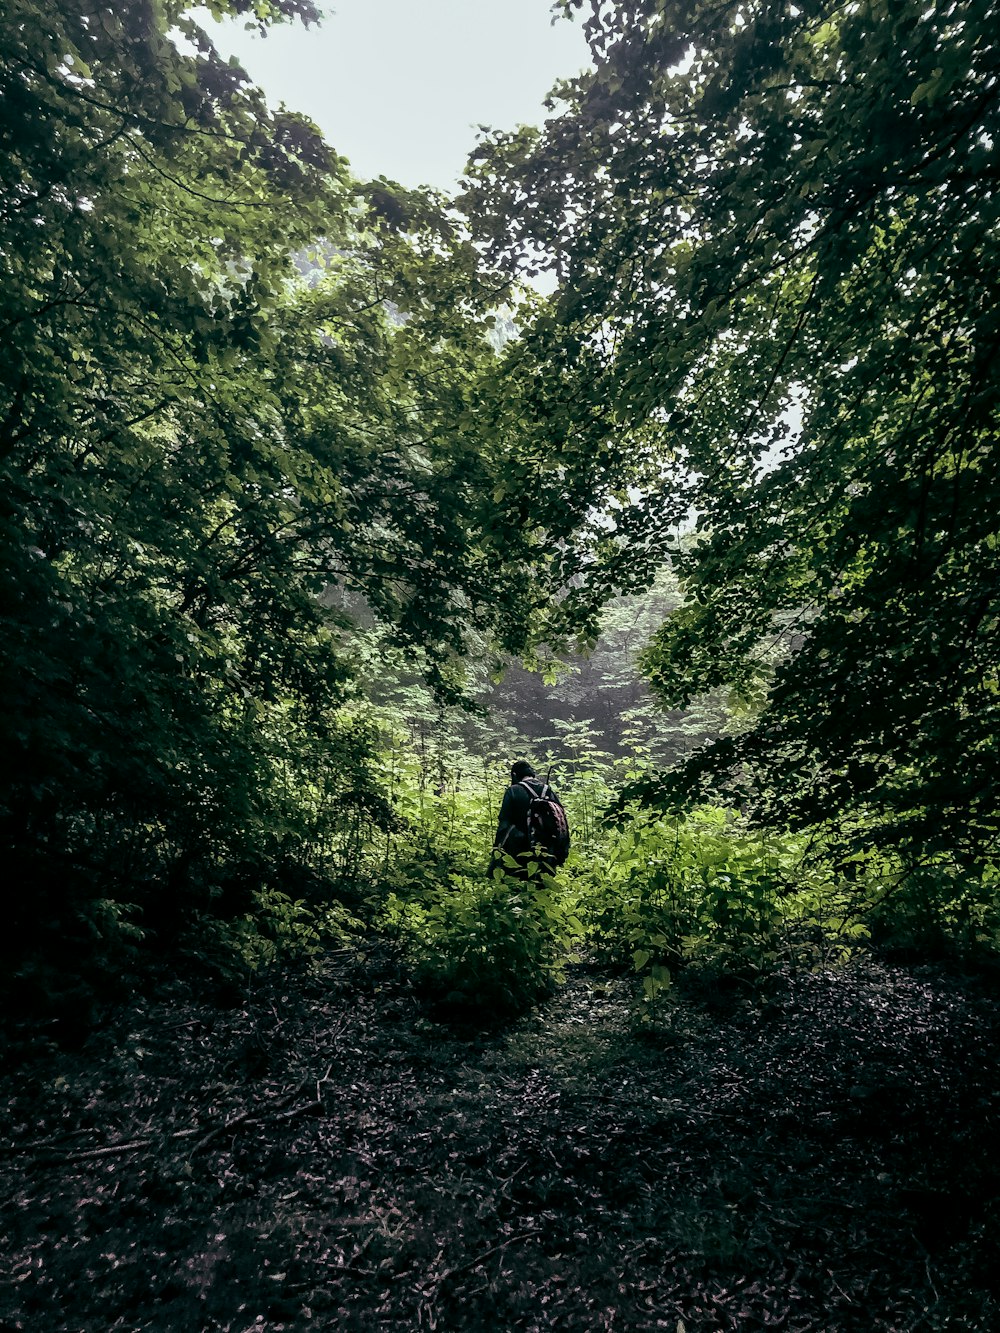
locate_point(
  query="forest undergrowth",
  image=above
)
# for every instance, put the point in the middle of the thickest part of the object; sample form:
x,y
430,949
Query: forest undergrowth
x,y
320,1152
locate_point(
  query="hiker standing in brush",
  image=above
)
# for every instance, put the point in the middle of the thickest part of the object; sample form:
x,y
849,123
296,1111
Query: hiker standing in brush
x,y
532,826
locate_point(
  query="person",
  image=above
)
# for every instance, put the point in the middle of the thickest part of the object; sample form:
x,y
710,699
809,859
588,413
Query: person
x,y
512,836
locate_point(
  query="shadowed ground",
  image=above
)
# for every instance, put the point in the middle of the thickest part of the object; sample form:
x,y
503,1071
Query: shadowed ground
x,y
325,1156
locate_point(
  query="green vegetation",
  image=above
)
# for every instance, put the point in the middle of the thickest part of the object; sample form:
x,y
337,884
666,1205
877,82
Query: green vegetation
x,y
313,515
749,225
237,389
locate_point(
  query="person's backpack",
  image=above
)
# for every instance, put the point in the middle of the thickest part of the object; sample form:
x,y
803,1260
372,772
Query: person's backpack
x,y
548,829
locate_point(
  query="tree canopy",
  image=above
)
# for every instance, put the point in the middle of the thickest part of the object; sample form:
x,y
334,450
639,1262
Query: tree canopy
x,y
248,402
234,381
775,230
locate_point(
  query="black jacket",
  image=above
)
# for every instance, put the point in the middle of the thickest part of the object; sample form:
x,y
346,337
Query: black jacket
x,y
512,826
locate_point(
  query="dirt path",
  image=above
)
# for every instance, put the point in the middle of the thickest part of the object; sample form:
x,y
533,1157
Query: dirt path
x,y
326,1156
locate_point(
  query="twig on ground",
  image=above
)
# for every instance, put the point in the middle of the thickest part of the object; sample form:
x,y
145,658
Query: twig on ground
x,y
253,1116
474,1262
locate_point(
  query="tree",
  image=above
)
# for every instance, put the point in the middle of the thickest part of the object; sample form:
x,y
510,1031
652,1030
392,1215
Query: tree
x,y
233,379
759,210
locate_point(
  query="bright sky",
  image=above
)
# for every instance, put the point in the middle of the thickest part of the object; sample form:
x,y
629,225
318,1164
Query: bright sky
x,y
399,87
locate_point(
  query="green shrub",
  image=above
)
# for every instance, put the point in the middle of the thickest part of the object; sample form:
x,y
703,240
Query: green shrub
x,y
277,927
707,889
939,910
485,946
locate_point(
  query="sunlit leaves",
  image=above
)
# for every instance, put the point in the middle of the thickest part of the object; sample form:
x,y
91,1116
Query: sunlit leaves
x,y
750,228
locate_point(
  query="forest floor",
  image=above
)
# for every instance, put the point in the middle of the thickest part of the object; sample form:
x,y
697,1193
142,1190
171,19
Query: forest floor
x,y
324,1155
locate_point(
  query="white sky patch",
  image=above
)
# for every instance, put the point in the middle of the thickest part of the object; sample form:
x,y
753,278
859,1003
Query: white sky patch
x,y
400,87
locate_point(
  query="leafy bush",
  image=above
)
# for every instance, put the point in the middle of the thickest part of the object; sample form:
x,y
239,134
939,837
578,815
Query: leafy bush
x,y
277,927
485,946
938,910
669,892
435,838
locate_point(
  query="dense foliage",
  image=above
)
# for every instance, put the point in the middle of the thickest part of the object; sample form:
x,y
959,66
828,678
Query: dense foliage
x,y
293,470
758,212
238,390
312,519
